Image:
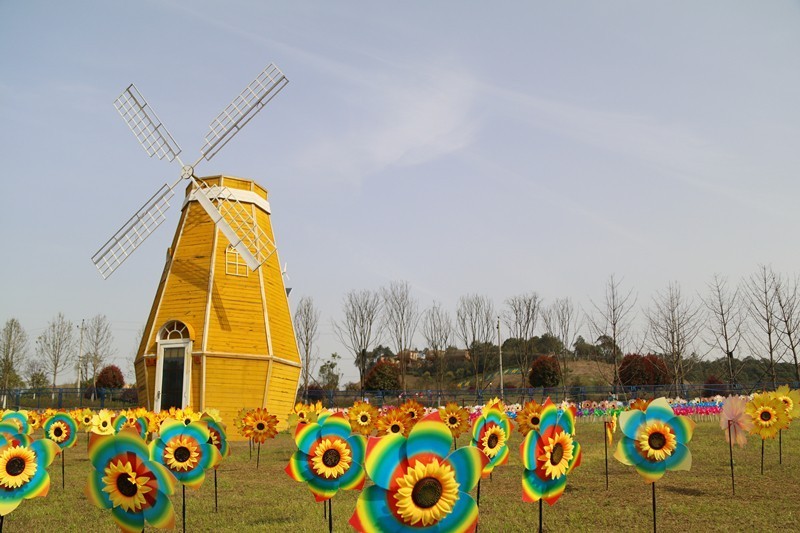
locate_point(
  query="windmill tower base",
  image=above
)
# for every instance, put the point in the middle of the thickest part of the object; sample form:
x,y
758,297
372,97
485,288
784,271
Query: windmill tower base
x,y
219,335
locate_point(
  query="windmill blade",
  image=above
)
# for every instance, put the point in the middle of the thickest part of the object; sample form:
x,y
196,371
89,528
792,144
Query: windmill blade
x,y
133,233
236,222
243,108
145,124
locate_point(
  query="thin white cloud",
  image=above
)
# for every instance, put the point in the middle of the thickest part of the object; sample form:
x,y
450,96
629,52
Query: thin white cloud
x,y
406,118
675,151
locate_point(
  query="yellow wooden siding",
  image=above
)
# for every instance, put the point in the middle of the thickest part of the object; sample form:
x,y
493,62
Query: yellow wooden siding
x,y
141,383
284,344
232,384
282,391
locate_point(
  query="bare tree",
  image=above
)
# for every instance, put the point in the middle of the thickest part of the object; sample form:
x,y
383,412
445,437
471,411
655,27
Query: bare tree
x,y
761,294
98,345
400,319
786,296
475,327
520,317
675,324
360,327
437,328
13,350
562,320
612,319
56,346
726,321
306,329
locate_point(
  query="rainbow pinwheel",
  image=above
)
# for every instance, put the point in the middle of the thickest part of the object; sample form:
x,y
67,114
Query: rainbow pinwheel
x,y
127,420
328,456
124,480
19,419
185,451
419,485
62,429
9,434
654,440
217,435
549,454
490,434
23,471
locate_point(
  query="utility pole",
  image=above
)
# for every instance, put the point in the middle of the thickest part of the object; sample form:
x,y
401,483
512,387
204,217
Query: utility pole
x,y
500,350
80,358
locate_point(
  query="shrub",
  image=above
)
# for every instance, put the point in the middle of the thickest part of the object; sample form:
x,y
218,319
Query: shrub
x,y
130,396
713,386
110,378
545,372
635,369
383,376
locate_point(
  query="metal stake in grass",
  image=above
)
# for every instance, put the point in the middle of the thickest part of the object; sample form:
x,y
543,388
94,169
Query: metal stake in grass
x,y
62,469
216,507
258,455
330,515
183,509
762,457
780,446
541,508
605,448
654,506
730,446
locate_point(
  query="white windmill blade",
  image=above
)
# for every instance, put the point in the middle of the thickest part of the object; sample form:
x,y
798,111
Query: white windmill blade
x,y
236,222
145,124
133,233
244,107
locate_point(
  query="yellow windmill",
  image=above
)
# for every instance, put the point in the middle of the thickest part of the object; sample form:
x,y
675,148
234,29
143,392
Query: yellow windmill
x,y
219,334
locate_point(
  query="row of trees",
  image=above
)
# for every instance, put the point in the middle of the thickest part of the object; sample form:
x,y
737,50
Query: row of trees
x,y
756,319
85,347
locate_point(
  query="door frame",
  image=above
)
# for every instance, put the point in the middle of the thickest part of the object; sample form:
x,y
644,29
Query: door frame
x,y
186,344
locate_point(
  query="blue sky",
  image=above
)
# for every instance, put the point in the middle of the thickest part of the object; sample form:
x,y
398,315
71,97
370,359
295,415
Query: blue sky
x,y
465,147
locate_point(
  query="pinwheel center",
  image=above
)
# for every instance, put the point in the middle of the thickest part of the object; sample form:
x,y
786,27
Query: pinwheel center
x,y
452,421
125,486
395,428
187,421
15,466
260,426
104,423
656,441
427,492
57,432
766,416
535,420
331,458
412,414
557,454
364,418
182,454
492,442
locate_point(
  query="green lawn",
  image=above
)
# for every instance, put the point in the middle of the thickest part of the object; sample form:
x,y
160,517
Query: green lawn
x,y
267,500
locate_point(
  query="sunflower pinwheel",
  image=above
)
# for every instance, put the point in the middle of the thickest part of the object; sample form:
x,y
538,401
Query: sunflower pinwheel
x,y
455,417
259,425
9,434
611,427
19,419
490,434
413,409
363,417
301,413
654,440
84,419
125,480
35,420
102,423
129,420
549,454
62,429
23,470
185,451
394,421
790,399
528,417
328,456
419,484
217,435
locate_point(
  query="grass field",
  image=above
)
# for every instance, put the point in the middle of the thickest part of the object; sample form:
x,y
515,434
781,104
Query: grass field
x,y
267,500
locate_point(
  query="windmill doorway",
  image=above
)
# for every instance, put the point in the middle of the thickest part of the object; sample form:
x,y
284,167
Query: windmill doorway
x,y
173,366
